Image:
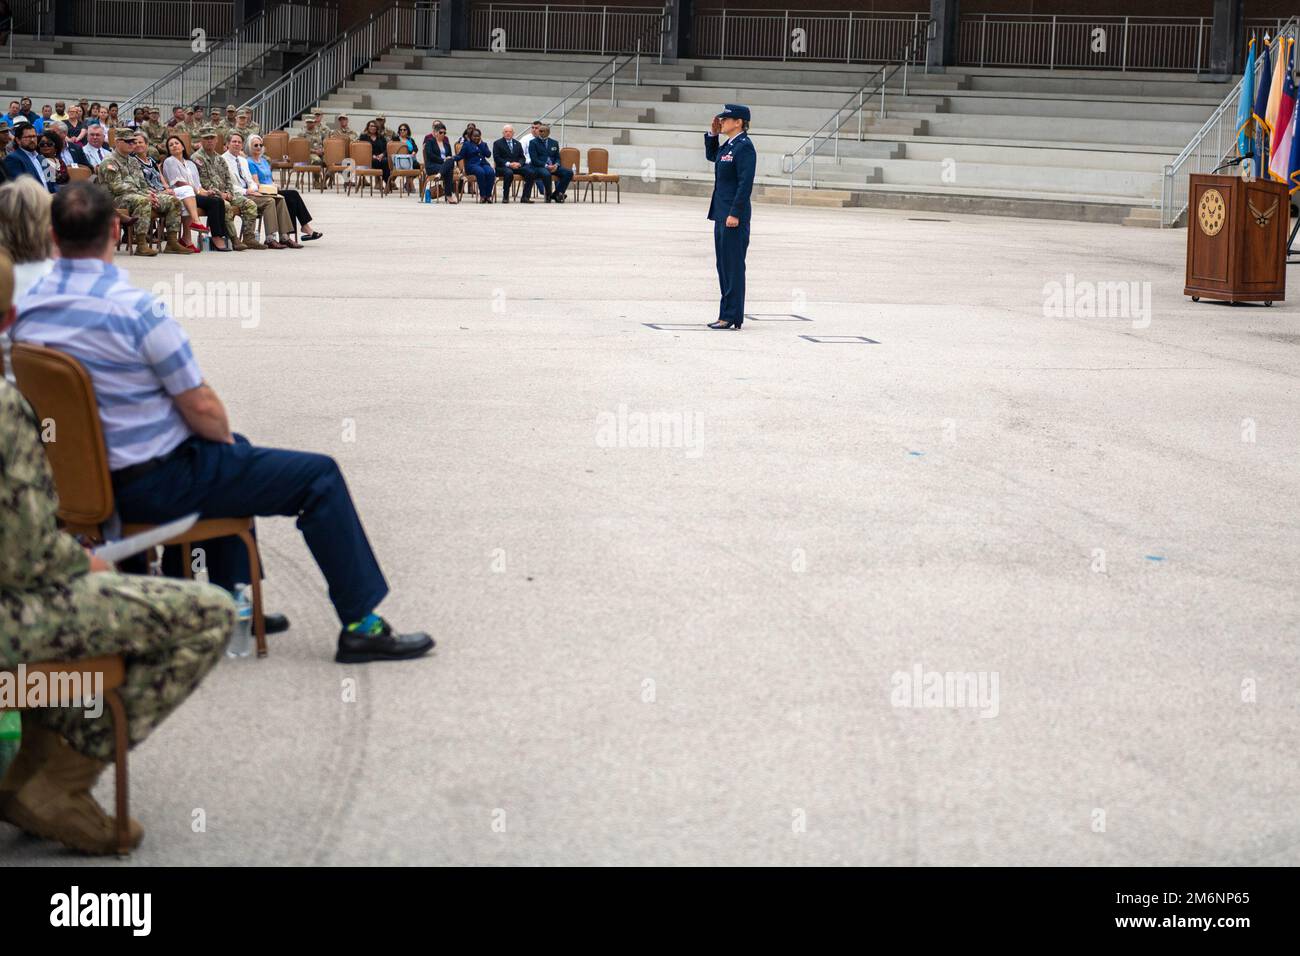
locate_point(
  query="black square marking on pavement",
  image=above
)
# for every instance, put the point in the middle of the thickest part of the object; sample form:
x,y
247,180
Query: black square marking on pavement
x,y
840,339
676,326
777,317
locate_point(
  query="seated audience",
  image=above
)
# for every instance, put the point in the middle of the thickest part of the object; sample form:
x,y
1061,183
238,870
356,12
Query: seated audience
x,y
124,178
544,155
73,607
272,209
25,238
96,149
530,136
215,177
72,154
76,129
510,161
440,160
180,173
261,167
170,446
50,147
378,149
25,160
475,154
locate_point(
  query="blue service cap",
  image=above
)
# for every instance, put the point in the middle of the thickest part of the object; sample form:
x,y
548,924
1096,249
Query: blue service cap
x,y
735,111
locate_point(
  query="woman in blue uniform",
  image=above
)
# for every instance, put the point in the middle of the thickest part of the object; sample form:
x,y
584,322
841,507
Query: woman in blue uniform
x,y
733,182
476,155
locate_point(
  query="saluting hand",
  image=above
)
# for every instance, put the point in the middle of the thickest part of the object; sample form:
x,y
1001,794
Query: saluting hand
x,y
716,127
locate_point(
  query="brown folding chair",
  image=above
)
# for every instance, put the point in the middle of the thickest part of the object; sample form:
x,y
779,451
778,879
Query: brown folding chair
x,y
570,158
300,164
598,174
185,138
59,390
400,175
364,172
77,174
112,673
275,146
336,150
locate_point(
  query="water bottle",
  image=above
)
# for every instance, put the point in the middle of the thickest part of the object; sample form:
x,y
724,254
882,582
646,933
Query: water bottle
x,y
428,193
241,641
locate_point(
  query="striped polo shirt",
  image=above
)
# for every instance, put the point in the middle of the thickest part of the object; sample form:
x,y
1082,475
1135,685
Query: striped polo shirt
x,y
136,354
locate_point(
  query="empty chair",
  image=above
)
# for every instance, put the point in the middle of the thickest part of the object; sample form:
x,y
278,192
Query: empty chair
x,y
598,173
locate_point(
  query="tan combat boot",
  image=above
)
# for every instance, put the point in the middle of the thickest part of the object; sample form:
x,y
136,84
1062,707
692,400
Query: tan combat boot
x,y
174,247
56,803
38,743
142,248
252,243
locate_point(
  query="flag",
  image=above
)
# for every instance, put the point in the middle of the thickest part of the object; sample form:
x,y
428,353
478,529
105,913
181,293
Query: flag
x,y
1263,77
1279,166
1275,89
1244,104
1293,175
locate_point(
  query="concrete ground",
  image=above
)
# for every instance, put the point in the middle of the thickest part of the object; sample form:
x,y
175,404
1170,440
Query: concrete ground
x,y
701,653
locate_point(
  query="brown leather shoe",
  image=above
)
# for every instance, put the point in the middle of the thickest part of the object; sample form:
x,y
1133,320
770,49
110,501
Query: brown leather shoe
x,y
56,804
274,244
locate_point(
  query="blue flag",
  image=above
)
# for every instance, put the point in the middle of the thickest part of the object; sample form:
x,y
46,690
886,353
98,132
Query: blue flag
x,y
1264,75
1244,104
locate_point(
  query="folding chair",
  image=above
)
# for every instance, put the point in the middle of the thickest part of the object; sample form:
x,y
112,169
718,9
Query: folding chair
x,y
336,150
300,164
365,172
400,175
275,147
112,675
58,389
598,174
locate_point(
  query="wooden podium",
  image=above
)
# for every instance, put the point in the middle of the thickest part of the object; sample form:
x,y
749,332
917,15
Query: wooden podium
x,y
1236,239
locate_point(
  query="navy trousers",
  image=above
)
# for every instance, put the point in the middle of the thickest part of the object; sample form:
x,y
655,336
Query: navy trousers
x,y
541,174
233,481
485,174
729,247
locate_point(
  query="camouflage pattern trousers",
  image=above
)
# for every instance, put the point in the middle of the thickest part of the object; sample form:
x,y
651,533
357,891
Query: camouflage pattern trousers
x,y
169,210
170,632
241,207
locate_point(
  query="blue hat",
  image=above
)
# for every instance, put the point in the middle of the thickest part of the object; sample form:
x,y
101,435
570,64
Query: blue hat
x,y
735,111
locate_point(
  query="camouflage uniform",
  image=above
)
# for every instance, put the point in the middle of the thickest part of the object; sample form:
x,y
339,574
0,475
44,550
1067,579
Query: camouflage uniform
x,y
170,632
349,134
154,132
125,180
215,176
316,143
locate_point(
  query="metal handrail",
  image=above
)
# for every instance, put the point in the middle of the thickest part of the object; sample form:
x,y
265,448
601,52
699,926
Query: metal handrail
x,y
1172,206
195,79
276,106
614,67
810,146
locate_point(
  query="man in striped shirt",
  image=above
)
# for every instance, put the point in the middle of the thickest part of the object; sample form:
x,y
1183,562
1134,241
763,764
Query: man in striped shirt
x,y
170,448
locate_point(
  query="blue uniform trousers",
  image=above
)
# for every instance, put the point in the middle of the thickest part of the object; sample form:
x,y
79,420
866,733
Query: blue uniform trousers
x,y
233,481
544,176
484,173
729,247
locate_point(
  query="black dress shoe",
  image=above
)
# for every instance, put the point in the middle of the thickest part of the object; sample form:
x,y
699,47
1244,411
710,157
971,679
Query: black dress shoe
x,y
275,623
529,201
357,648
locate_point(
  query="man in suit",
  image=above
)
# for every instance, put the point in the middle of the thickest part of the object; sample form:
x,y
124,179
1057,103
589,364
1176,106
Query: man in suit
x,y
72,154
544,158
25,160
733,181
508,157
96,150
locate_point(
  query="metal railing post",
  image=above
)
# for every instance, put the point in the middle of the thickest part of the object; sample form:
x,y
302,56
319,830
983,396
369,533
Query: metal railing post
x,y
638,62
859,116
848,42
722,55
785,36
588,98
604,20
1123,63
882,91
546,28
613,82
984,29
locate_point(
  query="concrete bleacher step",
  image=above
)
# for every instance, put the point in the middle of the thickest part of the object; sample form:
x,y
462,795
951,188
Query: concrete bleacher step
x,y
1142,217
829,198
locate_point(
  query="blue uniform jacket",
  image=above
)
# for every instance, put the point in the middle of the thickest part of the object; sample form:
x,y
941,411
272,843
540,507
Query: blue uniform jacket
x,y
474,153
733,176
